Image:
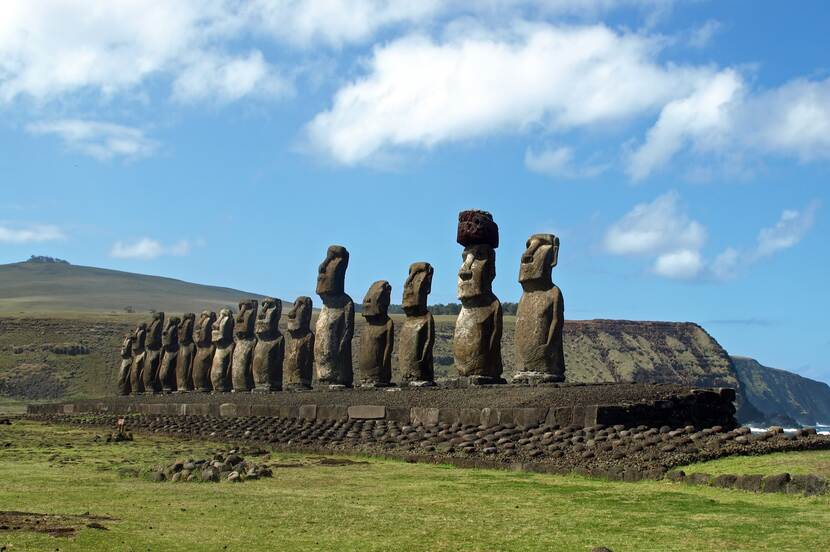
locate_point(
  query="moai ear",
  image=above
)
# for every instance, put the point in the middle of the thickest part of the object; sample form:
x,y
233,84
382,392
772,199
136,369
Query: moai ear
x,y
555,252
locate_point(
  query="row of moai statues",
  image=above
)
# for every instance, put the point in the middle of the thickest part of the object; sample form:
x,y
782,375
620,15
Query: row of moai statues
x,y
248,352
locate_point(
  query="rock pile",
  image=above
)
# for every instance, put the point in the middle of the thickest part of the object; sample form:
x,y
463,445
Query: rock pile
x,y
228,466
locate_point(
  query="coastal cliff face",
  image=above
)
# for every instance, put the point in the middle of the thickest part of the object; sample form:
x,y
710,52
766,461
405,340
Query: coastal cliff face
x,y
779,394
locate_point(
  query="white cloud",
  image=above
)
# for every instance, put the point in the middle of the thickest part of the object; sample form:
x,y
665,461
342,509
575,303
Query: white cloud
x,y
702,36
420,93
673,242
30,234
228,79
147,249
97,139
558,162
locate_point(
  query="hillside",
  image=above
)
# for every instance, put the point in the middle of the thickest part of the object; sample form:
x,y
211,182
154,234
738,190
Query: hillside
x,y
37,286
778,392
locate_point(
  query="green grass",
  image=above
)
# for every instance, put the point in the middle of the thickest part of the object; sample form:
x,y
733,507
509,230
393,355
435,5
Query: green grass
x,y
379,505
804,462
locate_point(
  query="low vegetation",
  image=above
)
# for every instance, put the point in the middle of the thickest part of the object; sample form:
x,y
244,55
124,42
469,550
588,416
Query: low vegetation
x,y
815,462
96,488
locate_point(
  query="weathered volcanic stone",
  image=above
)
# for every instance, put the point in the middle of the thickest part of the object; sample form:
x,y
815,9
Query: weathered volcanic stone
x,y
203,360
377,337
270,347
335,324
170,354
187,351
243,349
139,353
540,355
152,360
125,365
222,336
478,330
477,228
299,348
417,336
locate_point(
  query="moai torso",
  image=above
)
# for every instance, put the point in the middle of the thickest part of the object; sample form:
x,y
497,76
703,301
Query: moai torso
x,y
417,335
540,317
125,365
222,335
335,325
376,337
203,359
170,355
187,352
152,360
139,353
478,330
270,347
243,351
298,365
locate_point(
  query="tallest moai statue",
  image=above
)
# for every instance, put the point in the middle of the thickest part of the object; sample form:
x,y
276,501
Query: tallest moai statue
x,y
335,325
477,339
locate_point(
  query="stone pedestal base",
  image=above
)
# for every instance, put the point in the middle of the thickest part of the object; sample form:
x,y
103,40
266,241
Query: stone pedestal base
x,y
418,384
485,380
337,386
373,385
266,389
296,387
536,378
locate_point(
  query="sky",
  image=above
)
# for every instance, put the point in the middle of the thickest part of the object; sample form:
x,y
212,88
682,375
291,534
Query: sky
x,y
680,150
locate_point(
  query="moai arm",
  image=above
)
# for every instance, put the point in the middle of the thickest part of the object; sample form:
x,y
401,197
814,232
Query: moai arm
x,y
390,342
348,331
429,342
495,337
557,317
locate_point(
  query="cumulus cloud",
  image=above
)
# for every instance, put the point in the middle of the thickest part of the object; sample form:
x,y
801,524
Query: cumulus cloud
x,y
30,234
673,242
97,139
147,249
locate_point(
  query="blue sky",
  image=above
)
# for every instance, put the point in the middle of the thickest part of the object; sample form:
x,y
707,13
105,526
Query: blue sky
x,y
681,150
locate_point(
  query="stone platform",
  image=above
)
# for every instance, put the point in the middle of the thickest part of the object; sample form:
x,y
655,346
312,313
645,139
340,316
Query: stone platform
x,y
525,406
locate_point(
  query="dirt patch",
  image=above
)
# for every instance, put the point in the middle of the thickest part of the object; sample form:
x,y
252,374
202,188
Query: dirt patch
x,y
57,525
339,462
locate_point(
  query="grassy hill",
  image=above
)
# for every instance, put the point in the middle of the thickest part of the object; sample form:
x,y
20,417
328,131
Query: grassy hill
x,y
780,393
48,287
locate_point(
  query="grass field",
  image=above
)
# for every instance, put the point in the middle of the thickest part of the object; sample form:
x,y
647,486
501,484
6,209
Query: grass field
x,y
807,462
376,505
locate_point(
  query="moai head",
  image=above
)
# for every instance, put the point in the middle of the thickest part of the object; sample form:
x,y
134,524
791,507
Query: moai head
x,y
127,346
202,334
139,337
376,302
223,327
246,318
478,270
331,276
417,287
186,327
268,319
170,334
540,256
299,317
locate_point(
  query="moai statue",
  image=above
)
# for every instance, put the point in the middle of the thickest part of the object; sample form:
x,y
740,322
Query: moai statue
x,y
299,347
170,354
187,351
540,357
270,347
417,337
244,343
125,365
152,361
477,338
139,354
203,361
377,337
335,324
222,336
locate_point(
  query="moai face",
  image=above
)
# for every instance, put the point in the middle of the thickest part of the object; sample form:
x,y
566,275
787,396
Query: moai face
x,y
299,317
127,346
478,270
538,260
221,328
331,276
376,302
417,287
186,327
205,327
268,319
246,318
139,337
170,334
